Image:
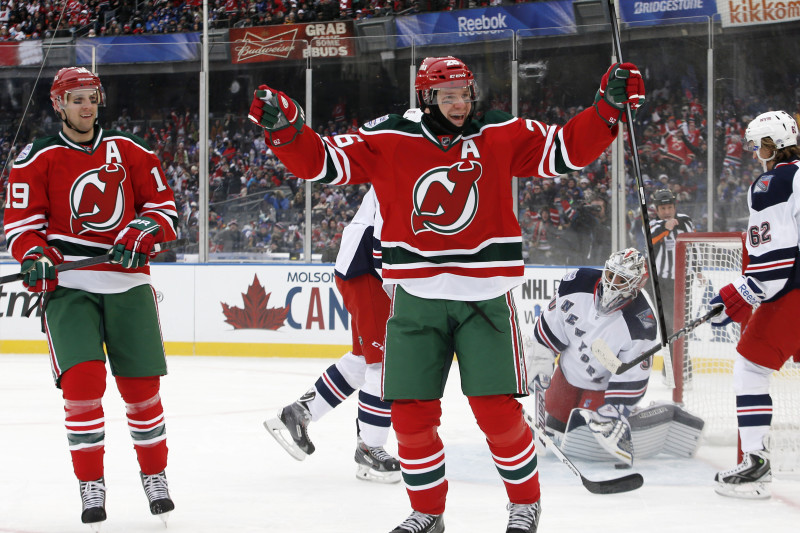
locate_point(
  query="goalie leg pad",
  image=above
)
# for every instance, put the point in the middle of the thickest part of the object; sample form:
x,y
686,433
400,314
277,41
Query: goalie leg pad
x,y
613,433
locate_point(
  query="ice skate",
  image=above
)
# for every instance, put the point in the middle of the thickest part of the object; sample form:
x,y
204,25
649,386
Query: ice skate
x,y
374,464
523,517
93,497
421,523
290,429
749,479
157,491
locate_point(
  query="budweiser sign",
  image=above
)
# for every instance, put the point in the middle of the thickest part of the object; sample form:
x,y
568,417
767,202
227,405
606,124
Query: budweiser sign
x,y
292,41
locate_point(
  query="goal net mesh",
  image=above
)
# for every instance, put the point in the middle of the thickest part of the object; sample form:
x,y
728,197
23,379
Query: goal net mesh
x,y
705,262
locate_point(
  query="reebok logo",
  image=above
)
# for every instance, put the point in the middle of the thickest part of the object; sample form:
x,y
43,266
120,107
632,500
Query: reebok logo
x,y
470,25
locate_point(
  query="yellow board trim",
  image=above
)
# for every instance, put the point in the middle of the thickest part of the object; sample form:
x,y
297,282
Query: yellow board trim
x,y
210,348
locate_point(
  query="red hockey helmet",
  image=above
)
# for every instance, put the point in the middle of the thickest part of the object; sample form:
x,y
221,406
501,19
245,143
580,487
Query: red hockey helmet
x,y
442,72
72,79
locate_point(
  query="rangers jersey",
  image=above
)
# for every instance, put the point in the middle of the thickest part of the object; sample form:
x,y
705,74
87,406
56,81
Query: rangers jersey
x,y
664,241
773,229
449,226
360,251
78,198
571,323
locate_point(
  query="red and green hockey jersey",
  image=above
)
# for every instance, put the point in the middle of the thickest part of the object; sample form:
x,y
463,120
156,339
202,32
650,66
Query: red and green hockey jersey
x,y
78,198
450,230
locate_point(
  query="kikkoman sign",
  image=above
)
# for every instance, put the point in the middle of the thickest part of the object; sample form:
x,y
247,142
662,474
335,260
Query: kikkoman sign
x,y
749,12
292,41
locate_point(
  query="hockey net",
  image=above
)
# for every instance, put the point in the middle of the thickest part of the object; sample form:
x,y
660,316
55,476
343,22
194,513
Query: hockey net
x,y
705,262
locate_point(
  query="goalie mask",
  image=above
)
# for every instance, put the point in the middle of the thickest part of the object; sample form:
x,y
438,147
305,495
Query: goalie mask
x,y
448,72
623,277
779,126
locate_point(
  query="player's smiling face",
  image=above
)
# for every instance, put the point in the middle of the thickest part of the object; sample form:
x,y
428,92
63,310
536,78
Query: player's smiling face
x,y
81,109
455,104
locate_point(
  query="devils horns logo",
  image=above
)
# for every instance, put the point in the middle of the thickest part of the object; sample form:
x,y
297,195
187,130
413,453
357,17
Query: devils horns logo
x,y
446,198
96,199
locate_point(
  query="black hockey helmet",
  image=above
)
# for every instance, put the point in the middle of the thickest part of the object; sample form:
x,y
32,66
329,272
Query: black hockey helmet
x,y
663,197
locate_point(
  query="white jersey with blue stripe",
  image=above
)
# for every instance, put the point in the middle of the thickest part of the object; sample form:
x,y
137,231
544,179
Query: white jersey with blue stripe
x,y
773,230
570,324
360,251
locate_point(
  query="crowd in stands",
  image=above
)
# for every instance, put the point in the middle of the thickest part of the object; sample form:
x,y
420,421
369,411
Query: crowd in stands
x,y
36,19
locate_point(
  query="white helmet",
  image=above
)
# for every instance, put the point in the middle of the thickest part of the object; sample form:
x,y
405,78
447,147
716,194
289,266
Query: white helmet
x,y
777,125
623,277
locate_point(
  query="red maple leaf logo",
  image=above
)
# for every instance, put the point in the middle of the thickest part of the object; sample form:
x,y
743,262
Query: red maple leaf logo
x,y
255,314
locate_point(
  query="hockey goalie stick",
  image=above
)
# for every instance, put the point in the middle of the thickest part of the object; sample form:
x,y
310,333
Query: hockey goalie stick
x,y
96,260
608,359
637,172
606,486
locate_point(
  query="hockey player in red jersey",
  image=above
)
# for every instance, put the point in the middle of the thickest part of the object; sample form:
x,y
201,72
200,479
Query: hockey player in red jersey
x,y
769,288
452,252
81,193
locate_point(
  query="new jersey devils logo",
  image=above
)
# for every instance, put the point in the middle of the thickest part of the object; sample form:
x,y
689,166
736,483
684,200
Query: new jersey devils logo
x,y
446,198
96,199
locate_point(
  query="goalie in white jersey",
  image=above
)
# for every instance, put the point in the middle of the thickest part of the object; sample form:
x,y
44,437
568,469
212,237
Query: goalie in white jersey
x,y
769,283
592,304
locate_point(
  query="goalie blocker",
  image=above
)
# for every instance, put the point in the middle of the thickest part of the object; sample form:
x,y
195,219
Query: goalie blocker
x,y
659,428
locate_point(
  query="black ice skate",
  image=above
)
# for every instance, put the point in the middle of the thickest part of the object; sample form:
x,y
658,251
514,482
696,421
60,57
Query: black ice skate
x,y
421,523
157,491
374,464
290,428
749,479
523,517
93,496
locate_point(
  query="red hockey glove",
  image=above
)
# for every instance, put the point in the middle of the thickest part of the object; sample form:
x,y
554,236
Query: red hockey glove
x,y
738,299
621,84
279,115
134,244
38,270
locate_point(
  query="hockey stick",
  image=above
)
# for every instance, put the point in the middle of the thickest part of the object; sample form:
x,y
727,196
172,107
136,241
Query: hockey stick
x,y
96,260
608,359
637,172
606,486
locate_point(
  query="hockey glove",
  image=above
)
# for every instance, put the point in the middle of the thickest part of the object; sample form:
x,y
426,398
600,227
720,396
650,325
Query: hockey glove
x,y
611,430
541,363
738,299
38,269
621,84
134,244
279,115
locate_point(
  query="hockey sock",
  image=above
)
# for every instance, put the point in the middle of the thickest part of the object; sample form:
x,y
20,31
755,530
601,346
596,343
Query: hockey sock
x,y
754,415
421,453
82,387
336,384
145,421
511,443
374,414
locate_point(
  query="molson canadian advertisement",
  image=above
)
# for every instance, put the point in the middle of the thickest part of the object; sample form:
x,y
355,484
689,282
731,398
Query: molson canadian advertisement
x,y
255,310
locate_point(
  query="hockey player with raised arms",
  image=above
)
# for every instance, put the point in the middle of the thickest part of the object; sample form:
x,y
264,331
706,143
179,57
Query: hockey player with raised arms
x,y
78,194
452,253
358,279
593,304
770,283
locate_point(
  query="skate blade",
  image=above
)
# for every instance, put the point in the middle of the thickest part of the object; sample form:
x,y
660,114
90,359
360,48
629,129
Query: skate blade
x,y
366,473
280,433
95,526
164,517
747,491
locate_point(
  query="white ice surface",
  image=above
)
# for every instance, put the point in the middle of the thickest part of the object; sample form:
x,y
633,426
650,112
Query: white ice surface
x,y
227,475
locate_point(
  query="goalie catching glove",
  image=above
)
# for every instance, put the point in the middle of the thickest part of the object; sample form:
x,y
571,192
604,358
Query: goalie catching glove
x,y
38,269
134,244
541,362
621,84
279,115
737,299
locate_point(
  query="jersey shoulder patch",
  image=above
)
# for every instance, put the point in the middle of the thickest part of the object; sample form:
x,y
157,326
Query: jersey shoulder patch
x,y
30,151
773,187
641,319
580,280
